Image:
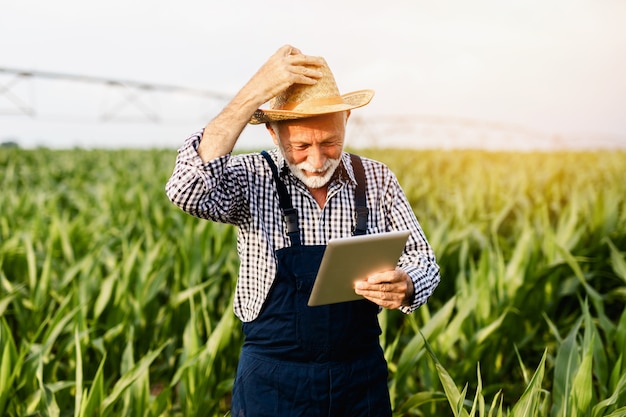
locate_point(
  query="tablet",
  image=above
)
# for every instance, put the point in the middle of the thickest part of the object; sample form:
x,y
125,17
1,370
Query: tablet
x,y
350,259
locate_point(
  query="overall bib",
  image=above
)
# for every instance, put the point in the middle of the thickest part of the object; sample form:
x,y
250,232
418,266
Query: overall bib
x,y
311,361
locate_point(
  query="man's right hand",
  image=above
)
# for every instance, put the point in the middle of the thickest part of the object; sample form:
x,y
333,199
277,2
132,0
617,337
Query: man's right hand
x,y
285,67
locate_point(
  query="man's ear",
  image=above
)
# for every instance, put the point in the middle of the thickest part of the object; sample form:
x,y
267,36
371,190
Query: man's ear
x,y
270,129
347,115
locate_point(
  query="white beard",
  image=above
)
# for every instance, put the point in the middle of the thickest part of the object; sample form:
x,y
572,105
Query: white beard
x,y
315,181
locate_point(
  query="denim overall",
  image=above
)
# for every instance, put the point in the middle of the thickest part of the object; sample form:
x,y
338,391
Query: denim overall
x,y
311,361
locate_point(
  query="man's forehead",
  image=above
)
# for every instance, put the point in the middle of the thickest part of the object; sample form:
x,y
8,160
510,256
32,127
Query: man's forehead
x,y
315,121
326,122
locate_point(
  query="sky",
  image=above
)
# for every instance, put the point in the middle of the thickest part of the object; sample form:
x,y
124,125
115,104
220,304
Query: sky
x,y
462,69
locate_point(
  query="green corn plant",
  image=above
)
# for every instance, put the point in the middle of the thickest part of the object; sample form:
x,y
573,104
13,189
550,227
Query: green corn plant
x,y
99,272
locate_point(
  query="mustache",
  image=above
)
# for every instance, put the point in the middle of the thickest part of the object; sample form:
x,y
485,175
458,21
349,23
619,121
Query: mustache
x,y
306,166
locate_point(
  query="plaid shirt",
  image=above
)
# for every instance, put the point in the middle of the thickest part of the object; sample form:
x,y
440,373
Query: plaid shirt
x,y
240,190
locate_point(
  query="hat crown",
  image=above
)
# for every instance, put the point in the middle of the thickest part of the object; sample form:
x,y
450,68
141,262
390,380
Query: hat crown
x,y
296,94
304,100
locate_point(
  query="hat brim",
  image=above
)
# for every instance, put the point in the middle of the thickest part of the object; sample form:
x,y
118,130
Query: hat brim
x,y
349,101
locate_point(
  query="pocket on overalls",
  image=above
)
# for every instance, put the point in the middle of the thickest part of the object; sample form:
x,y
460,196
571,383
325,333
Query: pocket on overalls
x,y
312,323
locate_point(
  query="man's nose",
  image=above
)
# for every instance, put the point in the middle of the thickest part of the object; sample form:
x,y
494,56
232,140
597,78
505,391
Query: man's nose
x,y
316,158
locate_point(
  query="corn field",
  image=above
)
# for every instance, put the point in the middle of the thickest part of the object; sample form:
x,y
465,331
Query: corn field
x,y
115,303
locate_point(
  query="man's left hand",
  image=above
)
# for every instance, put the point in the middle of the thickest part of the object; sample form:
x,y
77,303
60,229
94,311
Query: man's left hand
x,y
391,289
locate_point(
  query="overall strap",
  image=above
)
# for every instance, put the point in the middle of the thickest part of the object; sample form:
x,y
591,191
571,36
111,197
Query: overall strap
x,y
290,214
360,200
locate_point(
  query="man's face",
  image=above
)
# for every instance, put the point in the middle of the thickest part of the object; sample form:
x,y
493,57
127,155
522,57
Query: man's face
x,y
312,146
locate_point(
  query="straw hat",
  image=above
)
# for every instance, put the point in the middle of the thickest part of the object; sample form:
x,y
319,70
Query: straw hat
x,y
302,100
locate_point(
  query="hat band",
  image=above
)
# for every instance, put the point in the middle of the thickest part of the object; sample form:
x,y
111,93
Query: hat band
x,y
320,101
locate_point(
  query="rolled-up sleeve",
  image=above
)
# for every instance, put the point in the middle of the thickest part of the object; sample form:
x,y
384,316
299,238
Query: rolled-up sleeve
x,y
205,190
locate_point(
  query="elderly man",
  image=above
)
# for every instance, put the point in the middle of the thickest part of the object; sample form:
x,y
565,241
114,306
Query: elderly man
x,y
287,203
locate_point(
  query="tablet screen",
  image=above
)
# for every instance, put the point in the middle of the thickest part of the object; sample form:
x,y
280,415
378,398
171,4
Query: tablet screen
x,y
350,259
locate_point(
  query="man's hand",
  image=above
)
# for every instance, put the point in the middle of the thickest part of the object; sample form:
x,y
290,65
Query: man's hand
x,y
391,289
286,67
